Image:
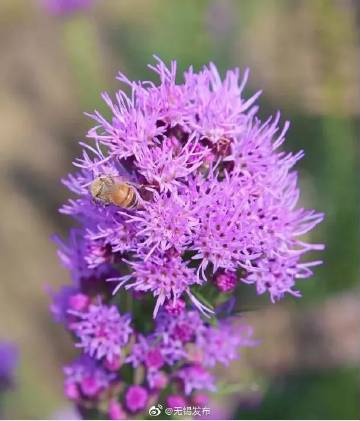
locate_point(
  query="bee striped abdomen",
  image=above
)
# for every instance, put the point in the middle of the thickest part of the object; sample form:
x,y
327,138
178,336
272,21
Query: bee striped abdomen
x,y
108,189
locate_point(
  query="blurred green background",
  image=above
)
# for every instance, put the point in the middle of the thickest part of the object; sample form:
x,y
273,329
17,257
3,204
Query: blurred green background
x,y
305,56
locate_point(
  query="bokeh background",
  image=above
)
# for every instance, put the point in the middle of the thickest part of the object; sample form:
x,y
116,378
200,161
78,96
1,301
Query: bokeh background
x,y
305,55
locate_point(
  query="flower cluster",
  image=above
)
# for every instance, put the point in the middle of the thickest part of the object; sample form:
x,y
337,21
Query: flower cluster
x,y
176,355
183,194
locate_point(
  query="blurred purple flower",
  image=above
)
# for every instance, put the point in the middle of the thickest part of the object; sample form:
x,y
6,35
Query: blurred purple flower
x,y
85,376
136,398
8,361
65,7
61,303
195,377
221,344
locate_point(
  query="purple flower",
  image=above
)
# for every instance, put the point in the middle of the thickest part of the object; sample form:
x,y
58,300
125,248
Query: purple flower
x,y
167,277
79,302
61,303
102,331
167,222
214,189
65,7
225,281
277,275
114,364
186,338
155,350
166,344
154,358
175,308
136,398
180,328
195,377
167,164
8,362
183,185
157,380
147,351
74,255
139,350
221,344
85,376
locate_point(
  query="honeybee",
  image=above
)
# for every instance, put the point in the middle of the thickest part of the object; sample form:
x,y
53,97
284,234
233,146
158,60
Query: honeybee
x,y
109,189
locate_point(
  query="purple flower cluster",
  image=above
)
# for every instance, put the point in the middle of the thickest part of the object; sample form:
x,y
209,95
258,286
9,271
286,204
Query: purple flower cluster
x,y
186,341
178,353
102,331
215,192
183,194
86,378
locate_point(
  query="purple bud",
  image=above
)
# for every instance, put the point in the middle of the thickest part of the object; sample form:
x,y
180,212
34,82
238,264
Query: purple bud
x,y
136,398
79,302
183,332
154,358
225,281
89,386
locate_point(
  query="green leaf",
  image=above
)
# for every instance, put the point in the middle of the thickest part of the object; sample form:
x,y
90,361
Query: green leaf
x,y
201,298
